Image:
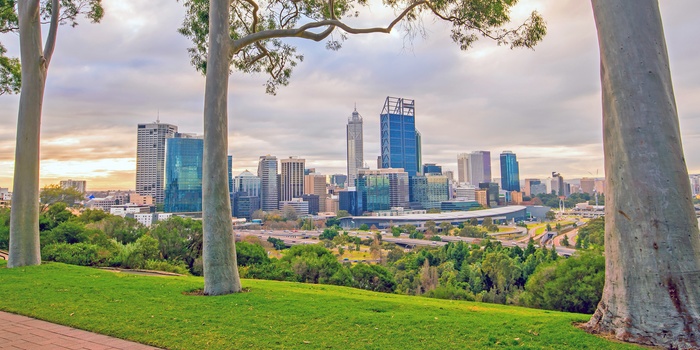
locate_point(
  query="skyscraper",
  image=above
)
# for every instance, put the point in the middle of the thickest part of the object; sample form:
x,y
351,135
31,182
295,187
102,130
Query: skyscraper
x,y
183,173
479,167
150,159
292,178
355,146
316,184
399,138
510,174
267,172
383,189
247,182
463,168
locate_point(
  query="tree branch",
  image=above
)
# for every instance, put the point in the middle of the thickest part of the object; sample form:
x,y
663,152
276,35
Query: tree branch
x,y
256,8
53,28
304,33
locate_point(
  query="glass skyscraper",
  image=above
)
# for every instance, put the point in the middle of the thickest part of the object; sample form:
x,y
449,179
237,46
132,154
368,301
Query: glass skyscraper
x,y
400,141
427,192
382,189
510,174
183,173
269,192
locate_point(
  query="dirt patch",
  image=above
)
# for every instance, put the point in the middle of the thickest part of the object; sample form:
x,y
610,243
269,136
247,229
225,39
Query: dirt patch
x,y
200,291
141,272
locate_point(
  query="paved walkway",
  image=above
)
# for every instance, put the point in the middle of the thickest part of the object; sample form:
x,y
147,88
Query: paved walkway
x,y
20,332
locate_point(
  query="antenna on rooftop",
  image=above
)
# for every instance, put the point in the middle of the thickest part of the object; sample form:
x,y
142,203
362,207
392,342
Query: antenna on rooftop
x,y
158,116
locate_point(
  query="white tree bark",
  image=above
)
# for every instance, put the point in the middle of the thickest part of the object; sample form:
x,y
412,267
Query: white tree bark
x,y
24,216
652,245
219,252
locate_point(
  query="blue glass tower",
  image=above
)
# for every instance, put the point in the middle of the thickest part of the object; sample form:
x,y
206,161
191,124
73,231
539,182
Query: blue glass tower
x,y
399,138
183,174
510,177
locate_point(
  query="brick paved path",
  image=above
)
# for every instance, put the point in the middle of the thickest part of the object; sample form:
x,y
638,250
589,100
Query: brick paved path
x,y
20,332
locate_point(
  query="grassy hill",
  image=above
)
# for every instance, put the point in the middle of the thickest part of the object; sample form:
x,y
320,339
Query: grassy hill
x,y
280,315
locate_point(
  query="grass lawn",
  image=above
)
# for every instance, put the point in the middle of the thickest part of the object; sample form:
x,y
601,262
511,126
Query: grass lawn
x,y
277,315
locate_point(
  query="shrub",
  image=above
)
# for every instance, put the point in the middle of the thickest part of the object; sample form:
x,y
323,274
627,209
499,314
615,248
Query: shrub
x,y
250,254
83,254
167,266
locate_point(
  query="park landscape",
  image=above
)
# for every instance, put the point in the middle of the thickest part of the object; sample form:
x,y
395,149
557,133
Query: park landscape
x,y
651,248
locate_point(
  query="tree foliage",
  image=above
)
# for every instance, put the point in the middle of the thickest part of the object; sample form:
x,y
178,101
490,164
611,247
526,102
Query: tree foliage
x,y
54,194
257,28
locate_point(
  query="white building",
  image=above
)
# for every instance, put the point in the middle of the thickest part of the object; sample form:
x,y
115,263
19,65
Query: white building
x,y
355,154
150,159
147,219
300,206
465,192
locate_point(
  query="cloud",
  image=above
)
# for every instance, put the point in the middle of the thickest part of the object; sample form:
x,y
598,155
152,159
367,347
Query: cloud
x,y
544,105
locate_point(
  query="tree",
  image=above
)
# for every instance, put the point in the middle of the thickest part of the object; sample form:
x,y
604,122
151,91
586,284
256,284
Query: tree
x,y
652,243
487,222
289,212
54,193
430,226
24,224
364,227
565,241
328,234
550,215
446,228
247,35
342,214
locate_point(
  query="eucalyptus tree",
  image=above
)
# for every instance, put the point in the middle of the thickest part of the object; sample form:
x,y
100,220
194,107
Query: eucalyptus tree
x,y
652,243
246,35
26,18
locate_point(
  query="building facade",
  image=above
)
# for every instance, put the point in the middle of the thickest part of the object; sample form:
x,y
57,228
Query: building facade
x,y
316,184
432,169
269,193
150,159
427,192
463,168
247,183
291,178
383,189
510,172
399,141
183,173
78,185
527,189
355,150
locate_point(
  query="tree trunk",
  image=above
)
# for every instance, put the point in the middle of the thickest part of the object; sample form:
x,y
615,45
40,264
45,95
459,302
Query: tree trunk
x,y
652,276
219,251
24,216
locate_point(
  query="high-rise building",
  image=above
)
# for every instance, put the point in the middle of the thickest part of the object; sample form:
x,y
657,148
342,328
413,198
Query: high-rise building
x,y
269,193
340,180
492,193
291,178
587,185
243,205
528,186
479,167
355,154
78,185
229,170
247,182
183,173
316,184
427,192
150,159
556,184
463,168
432,168
383,189
399,136
510,174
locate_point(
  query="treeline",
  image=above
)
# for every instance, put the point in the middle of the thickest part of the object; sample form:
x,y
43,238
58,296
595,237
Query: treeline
x,y
535,277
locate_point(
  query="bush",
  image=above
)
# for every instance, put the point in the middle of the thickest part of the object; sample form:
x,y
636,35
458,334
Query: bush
x,y
134,255
450,292
83,254
250,254
167,266
372,277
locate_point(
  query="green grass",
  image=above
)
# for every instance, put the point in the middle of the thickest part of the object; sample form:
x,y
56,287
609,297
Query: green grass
x,y
277,315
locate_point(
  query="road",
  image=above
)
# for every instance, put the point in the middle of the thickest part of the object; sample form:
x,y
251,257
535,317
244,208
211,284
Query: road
x,y
290,237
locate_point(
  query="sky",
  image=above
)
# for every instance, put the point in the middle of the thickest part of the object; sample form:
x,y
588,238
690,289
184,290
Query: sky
x,y
542,104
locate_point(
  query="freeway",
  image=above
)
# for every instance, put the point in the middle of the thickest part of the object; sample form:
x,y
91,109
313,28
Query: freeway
x,y
293,237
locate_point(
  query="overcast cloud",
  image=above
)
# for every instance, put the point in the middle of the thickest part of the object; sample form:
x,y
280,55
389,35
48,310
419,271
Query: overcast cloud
x,y
544,105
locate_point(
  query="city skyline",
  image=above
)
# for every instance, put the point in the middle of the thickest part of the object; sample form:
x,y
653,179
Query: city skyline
x,y
543,105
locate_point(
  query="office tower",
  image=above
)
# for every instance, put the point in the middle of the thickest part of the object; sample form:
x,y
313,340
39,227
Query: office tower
x,y
350,201
243,205
432,168
556,184
269,193
383,189
492,193
465,192
419,152
510,174
340,180
314,203
355,154
528,186
183,173
463,168
247,183
588,185
316,184
229,169
398,135
291,178
486,157
78,185
450,175
150,159
427,192
537,188
479,167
